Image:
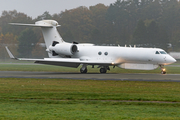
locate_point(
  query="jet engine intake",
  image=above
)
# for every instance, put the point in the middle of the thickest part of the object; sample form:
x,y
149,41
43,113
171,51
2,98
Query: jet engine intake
x,y
63,49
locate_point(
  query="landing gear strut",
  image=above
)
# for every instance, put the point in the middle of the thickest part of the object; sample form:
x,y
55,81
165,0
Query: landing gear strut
x,y
163,70
83,69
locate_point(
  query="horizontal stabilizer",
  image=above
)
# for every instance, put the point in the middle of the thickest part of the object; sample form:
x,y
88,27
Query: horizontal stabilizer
x,y
32,25
43,23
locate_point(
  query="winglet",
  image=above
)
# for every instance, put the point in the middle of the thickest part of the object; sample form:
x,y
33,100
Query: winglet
x,y
10,54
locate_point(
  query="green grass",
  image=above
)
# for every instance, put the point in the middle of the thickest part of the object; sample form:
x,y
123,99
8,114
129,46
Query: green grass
x,y
88,99
27,99
88,111
88,90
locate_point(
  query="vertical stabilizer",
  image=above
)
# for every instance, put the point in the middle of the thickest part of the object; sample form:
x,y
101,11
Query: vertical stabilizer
x,y
49,31
50,34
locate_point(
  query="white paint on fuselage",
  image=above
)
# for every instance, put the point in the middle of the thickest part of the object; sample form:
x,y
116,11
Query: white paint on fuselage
x,y
120,55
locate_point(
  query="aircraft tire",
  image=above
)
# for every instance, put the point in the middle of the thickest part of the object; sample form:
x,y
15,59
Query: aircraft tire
x,y
83,71
103,70
163,72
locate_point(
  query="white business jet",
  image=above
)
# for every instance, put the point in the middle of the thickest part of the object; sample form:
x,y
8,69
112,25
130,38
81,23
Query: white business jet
x,y
74,54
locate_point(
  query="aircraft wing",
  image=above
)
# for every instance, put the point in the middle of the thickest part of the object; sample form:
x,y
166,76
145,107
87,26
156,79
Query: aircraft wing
x,y
67,62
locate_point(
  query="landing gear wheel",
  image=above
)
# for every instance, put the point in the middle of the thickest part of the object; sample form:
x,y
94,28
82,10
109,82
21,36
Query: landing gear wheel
x,y
83,71
163,71
103,70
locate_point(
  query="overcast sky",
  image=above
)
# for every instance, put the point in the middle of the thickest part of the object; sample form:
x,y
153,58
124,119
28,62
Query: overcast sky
x,y
34,8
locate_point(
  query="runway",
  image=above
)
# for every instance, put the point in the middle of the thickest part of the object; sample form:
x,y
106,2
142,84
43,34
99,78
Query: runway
x,y
92,76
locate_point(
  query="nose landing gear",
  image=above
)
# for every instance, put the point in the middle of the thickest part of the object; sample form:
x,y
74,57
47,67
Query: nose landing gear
x,y
163,70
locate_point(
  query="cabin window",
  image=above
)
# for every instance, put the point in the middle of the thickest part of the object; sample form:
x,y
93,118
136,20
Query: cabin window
x,y
106,53
157,52
99,53
162,52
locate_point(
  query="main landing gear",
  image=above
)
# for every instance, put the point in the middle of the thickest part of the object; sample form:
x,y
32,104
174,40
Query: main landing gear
x,y
103,69
83,69
163,70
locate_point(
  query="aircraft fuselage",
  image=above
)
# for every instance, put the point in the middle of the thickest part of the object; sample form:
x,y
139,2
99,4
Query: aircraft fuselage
x,y
123,54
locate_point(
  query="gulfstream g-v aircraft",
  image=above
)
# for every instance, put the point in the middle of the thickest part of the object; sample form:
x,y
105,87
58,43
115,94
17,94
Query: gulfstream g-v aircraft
x,y
74,54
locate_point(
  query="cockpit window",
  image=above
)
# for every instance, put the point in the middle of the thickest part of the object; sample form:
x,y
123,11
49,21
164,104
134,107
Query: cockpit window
x,y
157,52
163,52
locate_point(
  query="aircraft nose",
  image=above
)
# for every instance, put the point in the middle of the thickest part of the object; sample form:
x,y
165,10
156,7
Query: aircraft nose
x,y
170,59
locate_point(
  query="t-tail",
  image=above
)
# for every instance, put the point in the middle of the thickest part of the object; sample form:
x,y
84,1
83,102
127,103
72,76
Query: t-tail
x,y
52,37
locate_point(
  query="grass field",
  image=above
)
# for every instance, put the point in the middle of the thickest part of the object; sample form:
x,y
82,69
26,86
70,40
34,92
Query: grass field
x,y
88,99
46,99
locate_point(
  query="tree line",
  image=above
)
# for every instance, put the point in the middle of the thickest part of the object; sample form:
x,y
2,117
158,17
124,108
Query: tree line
x,y
144,23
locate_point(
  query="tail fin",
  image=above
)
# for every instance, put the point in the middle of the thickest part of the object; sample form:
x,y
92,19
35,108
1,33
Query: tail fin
x,y
49,31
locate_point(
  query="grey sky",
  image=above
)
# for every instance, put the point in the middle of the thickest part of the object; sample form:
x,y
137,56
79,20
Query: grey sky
x,y
34,8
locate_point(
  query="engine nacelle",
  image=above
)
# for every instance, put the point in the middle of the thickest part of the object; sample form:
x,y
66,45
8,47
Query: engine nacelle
x,y
63,49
